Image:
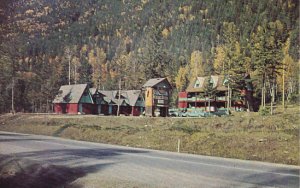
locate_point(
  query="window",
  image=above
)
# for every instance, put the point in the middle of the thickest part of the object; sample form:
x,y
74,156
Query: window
x,y
160,101
197,84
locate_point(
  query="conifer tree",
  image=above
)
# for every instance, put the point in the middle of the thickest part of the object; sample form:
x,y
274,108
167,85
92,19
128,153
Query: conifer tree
x,y
210,91
267,55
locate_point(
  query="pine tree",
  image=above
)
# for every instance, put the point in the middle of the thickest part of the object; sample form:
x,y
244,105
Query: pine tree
x,y
209,91
153,54
267,54
85,73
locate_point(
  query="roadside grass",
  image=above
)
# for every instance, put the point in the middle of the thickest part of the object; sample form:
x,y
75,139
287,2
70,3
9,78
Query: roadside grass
x,y
248,136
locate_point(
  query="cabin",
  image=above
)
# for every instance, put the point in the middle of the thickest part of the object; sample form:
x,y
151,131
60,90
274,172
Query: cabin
x,y
73,99
131,102
194,97
157,97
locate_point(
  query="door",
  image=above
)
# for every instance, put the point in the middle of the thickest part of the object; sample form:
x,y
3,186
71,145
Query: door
x,y
99,108
110,109
64,108
80,108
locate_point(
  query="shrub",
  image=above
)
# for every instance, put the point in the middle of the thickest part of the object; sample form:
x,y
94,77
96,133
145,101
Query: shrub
x,y
264,111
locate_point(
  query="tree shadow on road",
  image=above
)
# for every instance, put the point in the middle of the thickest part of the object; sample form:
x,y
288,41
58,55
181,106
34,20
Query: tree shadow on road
x,y
278,177
53,168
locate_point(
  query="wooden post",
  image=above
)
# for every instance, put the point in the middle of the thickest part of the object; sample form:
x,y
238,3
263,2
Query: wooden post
x,y
209,106
178,146
132,110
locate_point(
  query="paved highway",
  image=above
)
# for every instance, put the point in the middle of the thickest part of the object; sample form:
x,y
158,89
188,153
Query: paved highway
x,y
55,162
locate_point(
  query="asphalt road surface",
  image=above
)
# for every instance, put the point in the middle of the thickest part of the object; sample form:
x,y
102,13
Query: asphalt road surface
x,y
41,161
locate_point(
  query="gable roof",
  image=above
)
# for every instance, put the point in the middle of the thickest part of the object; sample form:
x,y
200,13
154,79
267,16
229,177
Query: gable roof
x,y
218,83
155,81
201,81
132,96
108,94
128,96
70,93
93,90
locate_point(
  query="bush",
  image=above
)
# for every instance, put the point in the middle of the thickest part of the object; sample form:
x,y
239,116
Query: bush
x,y
294,98
264,111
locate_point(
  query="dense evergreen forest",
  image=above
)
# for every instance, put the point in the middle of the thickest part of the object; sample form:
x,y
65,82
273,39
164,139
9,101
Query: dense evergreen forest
x,y
102,41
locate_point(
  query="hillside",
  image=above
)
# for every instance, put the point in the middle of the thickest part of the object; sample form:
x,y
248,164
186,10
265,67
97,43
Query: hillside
x,y
134,40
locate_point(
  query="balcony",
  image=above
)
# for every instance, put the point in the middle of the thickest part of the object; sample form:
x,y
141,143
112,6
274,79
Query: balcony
x,y
224,98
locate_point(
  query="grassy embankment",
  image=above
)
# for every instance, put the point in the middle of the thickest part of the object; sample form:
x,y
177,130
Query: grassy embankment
x,y
244,135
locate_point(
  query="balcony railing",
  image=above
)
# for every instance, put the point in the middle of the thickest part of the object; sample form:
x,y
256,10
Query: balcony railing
x,y
194,99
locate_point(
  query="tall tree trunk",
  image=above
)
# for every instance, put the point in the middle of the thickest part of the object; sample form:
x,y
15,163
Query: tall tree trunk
x,y
262,96
75,79
272,98
69,71
272,84
264,91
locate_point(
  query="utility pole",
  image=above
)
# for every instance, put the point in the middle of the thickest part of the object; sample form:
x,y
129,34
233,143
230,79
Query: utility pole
x,y
12,96
228,98
69,56
118,111
283,88
69,69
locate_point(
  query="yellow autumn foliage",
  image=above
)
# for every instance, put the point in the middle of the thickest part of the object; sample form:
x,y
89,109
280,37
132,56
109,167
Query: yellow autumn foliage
x,y
196,65
165,33
181,78
29,12
219,59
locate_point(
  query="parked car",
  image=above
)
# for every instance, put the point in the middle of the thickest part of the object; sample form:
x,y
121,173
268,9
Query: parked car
x,y
197,112
221,112
173,113
177,112
194,112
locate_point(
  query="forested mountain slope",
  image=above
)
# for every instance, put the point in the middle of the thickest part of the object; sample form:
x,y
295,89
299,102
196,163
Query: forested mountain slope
x,y
134,40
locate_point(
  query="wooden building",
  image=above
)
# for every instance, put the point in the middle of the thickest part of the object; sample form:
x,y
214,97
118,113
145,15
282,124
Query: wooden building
x,y
131,102
193,96
157,97
73,99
